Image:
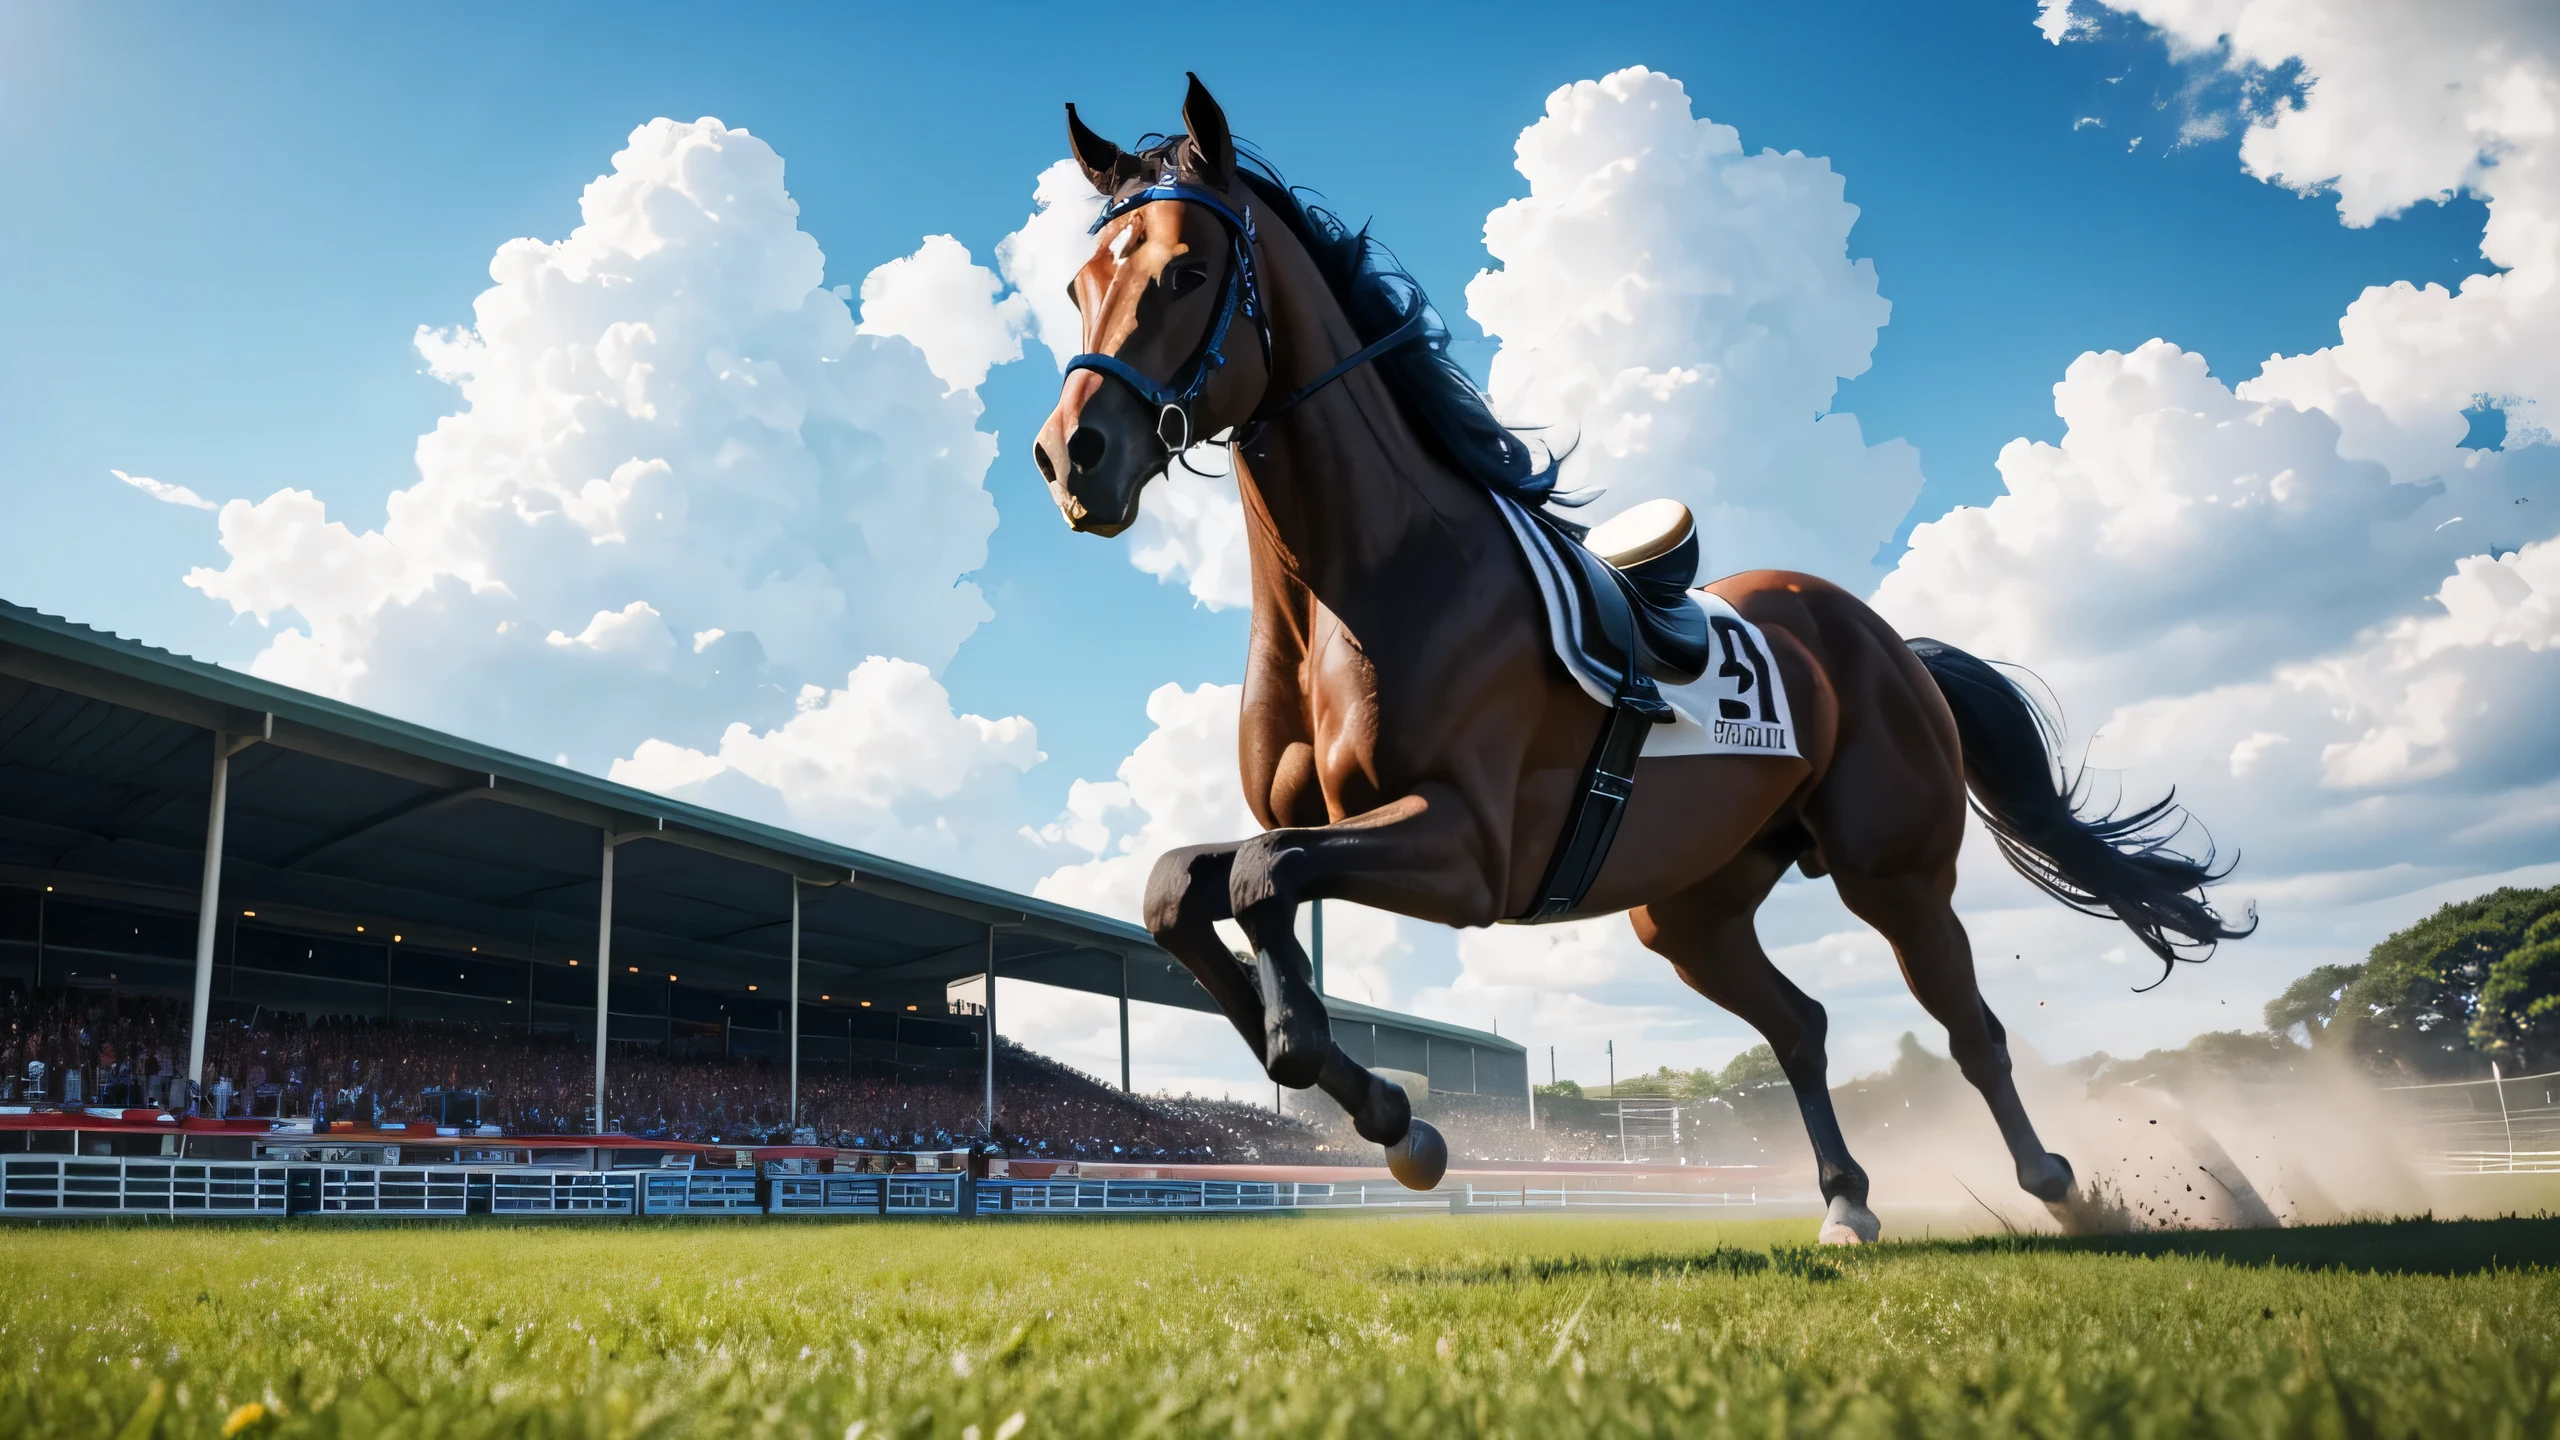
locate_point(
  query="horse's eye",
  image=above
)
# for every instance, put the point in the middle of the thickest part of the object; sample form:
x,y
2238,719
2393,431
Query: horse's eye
x,y
1186,279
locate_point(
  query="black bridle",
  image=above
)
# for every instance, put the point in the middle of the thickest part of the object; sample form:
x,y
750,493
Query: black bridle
x,y
1177,399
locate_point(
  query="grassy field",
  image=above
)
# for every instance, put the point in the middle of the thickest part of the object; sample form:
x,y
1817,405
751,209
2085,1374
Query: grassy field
x,y
1320,1326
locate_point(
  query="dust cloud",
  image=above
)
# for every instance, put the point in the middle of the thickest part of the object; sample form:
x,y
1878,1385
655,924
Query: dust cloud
x,y
2167,1152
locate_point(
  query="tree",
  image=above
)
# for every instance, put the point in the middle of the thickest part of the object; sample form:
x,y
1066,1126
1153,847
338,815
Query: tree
x,y
1753,1069
1913,1063
1564,1089
2311,1001
2476,980
2214,1056
2520,1002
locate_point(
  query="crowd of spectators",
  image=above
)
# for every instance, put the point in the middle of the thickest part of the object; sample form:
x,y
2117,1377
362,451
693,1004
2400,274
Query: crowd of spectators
x,y
91,1048
82,1047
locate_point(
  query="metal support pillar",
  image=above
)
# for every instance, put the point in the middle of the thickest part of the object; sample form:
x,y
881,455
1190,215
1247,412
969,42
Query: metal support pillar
x,y
991,1032
209,900
795,1002
2500,1081
1124,1027
604,971
1615,1100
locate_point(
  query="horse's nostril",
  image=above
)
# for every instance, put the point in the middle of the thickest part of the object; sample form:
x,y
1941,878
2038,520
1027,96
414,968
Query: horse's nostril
x,y
1048,472
1086,447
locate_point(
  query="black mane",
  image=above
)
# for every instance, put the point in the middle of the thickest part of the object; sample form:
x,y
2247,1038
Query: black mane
x,y
1438,397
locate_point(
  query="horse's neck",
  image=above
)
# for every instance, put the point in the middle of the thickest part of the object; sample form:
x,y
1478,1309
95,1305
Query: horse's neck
x,y
1342,490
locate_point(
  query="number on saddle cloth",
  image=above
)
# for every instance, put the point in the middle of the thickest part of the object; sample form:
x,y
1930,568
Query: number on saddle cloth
x,y
1750,680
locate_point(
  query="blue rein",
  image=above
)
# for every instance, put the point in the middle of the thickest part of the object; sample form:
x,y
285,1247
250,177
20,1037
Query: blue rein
x,y
1178,399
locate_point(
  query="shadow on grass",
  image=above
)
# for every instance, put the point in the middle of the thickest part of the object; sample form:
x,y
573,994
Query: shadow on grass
x,y
1801,1261
2419,1246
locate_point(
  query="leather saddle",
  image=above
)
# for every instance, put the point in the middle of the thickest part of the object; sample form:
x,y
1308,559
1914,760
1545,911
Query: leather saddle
x,y
1633,620
1631,577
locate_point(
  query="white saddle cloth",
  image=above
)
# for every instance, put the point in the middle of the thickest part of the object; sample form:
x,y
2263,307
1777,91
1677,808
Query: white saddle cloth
x,y
1739,707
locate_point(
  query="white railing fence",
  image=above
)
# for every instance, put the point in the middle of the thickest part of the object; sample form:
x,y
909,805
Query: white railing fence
x,y
78,1185
2504,1125
63,1186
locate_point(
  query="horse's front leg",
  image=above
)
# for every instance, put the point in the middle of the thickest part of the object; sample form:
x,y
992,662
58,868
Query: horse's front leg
x,y
1187,894
1410,857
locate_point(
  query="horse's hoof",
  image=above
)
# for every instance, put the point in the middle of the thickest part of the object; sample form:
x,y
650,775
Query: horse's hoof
x,y
1849,1223
1420,1158
2049,1182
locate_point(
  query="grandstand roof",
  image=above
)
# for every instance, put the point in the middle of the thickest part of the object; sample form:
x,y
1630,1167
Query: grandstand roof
x,y
339,816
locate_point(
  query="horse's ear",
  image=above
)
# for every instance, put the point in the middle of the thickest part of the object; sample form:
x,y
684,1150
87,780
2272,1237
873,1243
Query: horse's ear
x,y
1102,162
1211,141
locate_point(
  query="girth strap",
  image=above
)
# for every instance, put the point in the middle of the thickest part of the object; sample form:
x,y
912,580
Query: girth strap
x,y
1600,796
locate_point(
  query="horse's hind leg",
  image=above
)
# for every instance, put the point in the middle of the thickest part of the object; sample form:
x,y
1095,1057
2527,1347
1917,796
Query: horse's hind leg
x,y
1913,912
1706,932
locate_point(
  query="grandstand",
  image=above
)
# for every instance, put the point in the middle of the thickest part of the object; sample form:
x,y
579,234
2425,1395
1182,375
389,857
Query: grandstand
x,y
251,885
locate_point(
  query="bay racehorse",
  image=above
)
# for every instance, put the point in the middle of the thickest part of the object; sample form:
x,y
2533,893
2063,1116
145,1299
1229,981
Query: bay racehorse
x,y
1410,739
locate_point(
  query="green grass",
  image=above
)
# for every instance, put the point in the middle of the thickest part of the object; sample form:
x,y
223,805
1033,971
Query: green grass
x,y
1524,1326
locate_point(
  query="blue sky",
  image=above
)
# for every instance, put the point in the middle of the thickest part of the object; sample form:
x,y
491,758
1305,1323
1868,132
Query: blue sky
x,y
215,258
2286,589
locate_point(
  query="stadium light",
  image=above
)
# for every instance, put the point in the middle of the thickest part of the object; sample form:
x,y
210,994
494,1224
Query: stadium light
x,y
634,969
252,914
359,929
866,1004
911,1007
751,987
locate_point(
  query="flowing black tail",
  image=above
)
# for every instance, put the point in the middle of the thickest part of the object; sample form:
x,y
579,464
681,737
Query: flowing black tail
x,y
2111,864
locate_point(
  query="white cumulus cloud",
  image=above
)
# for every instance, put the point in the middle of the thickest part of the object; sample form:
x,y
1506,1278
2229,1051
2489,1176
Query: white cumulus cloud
x,y
2178,537
881,762
1040,258
2299,598
1683,311
667,427
1178,787
945,304
1190,530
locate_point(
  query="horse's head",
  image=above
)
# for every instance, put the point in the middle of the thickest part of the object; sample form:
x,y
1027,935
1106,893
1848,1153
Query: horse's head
x,y
1177,346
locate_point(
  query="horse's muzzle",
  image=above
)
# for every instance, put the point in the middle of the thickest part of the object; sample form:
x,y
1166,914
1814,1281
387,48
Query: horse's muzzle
x,y
1104,460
